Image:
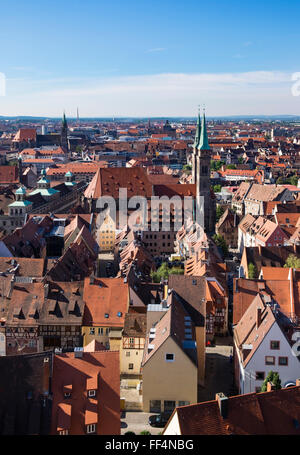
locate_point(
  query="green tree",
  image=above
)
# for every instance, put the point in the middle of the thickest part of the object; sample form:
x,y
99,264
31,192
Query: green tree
x,y
217,188
252,271
294,180
145,432
219,212
240,160
271,377
231,166
187,167
216,165
176,271
292,262
164,271
221,243
280,181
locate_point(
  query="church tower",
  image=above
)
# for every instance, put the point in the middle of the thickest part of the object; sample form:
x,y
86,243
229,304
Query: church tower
x,y
64,133
201,174
195,148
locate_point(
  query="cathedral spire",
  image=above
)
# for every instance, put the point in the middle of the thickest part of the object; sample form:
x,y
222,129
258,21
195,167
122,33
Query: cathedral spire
x,y
198,131
64,121
64,132
203,143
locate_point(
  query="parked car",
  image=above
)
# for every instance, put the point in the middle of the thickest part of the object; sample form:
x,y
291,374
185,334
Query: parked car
x,y
159,420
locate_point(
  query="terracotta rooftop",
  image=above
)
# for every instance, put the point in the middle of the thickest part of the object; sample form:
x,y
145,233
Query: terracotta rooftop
x,y
75,168
9,175
135,325
105,296
283,292
27,267
248,333
99,371
109,181
250,414
25,134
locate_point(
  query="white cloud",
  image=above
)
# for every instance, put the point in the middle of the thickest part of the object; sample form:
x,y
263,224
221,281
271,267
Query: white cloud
x,y
168,94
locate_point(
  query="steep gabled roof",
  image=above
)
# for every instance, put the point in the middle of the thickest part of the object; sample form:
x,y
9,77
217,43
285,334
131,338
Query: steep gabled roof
x,y
249,414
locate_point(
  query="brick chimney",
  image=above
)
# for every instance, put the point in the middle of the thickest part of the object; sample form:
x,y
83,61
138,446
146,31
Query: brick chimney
x,y
258,317
270,386
223,404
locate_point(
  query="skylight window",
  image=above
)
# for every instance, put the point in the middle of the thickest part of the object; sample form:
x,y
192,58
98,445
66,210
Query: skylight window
x,y
106,315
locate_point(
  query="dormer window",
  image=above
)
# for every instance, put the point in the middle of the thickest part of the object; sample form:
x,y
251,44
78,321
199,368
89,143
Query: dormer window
x,y
170,357
67,394
91,393
106,315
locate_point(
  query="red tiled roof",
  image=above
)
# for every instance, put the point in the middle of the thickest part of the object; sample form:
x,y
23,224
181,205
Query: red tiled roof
x,y
75,168
74,413
25,134
109,181
105,296
249,414
9,174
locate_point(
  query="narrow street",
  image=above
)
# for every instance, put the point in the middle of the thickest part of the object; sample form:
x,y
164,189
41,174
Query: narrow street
x,y
219,370
137,422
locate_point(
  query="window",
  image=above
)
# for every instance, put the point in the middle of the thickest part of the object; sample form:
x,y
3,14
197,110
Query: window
x,y
260,375
155,406
92,331
169,406
170,357
100,331
130,366
67,394
269,360
283,361
63,432
274,344
91,428
91,393
128,354
183,403
32,343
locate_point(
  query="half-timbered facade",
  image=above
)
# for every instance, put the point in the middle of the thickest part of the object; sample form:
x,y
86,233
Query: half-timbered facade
x,y
61,315
133,343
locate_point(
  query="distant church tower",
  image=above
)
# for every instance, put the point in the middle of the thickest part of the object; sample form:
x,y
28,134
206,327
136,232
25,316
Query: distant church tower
x,y
201,173
64,133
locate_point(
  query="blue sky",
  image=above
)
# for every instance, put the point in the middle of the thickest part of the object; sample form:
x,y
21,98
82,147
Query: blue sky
x,y
149,58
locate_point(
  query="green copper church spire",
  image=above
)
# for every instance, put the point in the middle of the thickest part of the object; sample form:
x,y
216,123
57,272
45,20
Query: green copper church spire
x,y
198,131
64,121
203,144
